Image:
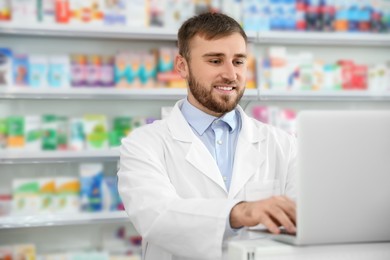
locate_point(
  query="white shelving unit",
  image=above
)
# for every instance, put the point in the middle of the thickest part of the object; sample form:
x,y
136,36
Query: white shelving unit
x,y
321,95
105,93
17,157
37,38
50,220
324,38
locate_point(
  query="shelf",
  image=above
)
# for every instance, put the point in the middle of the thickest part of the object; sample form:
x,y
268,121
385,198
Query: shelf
x,y
169,34
22,156
103,93
324,38
351,95
47,220
94,31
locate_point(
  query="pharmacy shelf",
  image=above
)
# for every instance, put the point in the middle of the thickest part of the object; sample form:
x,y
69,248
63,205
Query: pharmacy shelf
x,y
324,38
104,93
169,34
351,95
94,31
23,156
47,220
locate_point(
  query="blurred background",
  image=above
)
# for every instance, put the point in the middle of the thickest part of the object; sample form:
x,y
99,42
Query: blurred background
x,y
76,76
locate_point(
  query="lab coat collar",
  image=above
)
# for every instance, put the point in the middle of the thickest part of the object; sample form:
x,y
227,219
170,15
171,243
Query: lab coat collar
x,y
247,156
200,120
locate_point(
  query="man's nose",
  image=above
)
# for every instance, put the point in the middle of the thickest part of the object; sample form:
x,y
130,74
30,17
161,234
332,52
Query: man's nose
x,y
229,72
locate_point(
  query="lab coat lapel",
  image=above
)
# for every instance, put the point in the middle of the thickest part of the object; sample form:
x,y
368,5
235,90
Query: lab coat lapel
x,y
248,156
197,153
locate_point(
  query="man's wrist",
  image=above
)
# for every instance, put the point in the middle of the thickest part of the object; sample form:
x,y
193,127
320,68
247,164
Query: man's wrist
x,y
236,215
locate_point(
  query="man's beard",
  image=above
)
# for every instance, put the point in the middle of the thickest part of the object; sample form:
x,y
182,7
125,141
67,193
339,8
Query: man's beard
x,y
205,97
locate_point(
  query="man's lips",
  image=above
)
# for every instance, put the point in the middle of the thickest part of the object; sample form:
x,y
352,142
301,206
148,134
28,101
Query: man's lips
x,y
224,87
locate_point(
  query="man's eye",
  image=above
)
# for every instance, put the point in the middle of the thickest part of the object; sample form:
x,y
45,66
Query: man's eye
x,y
215,61
239,62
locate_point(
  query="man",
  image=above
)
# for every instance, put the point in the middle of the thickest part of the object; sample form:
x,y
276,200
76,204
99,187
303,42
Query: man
x,y
195,180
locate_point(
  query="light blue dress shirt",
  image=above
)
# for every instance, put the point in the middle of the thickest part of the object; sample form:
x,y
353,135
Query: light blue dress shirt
x,y
219,135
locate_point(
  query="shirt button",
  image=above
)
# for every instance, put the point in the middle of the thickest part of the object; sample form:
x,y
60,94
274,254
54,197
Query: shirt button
x,y
219,142
224,178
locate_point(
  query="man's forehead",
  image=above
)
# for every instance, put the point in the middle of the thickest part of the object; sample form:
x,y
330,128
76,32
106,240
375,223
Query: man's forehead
x,y
219,45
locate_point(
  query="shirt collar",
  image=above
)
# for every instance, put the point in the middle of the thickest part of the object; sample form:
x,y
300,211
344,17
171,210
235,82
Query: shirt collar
x,y
200,120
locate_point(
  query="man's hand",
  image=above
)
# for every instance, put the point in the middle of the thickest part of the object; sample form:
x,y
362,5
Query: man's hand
x,y
272,213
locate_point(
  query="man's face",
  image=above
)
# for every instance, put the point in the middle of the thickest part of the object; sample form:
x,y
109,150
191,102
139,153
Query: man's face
x,y
216,73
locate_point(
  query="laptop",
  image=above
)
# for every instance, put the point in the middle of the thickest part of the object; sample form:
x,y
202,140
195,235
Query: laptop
x,y
343,189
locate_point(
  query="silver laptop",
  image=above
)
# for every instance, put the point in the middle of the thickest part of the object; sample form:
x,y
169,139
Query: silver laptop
x,y
343,177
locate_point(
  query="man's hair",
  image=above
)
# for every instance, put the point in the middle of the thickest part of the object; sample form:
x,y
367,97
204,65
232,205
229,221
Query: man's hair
x,y
210,26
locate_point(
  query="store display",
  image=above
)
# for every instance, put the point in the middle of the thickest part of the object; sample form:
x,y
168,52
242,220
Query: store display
x,y
281,70
55,132
52,127
283,118
255,15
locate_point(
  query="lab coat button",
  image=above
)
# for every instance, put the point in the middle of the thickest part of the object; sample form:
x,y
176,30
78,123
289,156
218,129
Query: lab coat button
x,y
219,142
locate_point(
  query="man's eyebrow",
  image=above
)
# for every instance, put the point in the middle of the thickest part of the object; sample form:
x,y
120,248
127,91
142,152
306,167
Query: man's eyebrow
x,y
219,54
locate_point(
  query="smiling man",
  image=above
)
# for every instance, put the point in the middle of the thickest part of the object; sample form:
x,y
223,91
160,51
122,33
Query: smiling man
x,y
195,180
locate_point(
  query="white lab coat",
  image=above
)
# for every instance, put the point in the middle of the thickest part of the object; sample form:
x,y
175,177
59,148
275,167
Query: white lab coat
x,y
174,193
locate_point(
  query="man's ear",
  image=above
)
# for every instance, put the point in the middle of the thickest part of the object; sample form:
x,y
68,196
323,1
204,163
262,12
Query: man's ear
x,y
181,66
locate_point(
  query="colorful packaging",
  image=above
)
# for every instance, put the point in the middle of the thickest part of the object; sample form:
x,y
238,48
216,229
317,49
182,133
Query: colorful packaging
x,y
78,70
378,79
86,11
113,199
76,135
306,71
3,133
24,11
59,71
91,179
63,13
251,72
95,127
359,77
318,75
107,71
148,70
62,132
20,70
121,70
115,12
38,71
15,130
94,68
260,113
33,133
27,252
165,60
346,73
293,79
49,132
122,126
138,11
156,13
279,70
6,78
67,191
134,69
46,11
25,196
5,205
46,195
5,10
176,12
